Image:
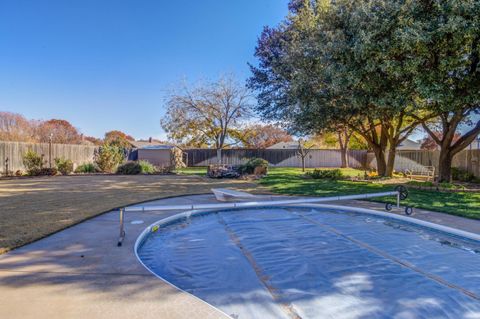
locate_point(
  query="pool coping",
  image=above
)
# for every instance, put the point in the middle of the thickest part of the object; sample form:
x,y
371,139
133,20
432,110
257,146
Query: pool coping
x,y
192,213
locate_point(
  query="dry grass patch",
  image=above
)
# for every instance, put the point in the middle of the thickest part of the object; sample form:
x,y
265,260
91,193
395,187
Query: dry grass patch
x,y
33,208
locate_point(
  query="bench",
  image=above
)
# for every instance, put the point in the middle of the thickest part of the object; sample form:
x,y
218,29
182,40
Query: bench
x,y
224,194
424,173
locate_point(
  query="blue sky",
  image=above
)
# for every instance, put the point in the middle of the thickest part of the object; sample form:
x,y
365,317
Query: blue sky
x,y
106,64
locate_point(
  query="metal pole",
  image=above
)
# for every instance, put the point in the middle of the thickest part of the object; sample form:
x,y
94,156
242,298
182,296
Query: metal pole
x,y
398,199
122,228
256,203
50,151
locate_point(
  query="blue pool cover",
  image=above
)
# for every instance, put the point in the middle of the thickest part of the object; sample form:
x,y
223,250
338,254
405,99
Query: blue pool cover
x,y
312,263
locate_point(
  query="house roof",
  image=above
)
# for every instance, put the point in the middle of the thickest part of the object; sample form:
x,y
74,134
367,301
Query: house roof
x,y
284,145
158,147
149,145
409,144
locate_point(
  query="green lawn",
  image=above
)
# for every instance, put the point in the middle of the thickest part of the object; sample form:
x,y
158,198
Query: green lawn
x,y
290,181
199,171
202,170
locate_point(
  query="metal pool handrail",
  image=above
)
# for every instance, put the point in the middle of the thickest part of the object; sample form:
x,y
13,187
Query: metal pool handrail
x,y
246,205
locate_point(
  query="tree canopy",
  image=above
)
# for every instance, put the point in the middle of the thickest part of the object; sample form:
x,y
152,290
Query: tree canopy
x,y
263,136
15,127
208,114
442,40
378,67
58,131
118,138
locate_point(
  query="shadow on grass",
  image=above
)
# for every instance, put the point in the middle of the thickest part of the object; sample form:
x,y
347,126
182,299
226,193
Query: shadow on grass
x,y
292,182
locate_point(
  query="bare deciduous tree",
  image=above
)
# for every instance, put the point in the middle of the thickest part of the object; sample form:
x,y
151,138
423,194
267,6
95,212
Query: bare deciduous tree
x,y
263,136
302,152
208,114
15,127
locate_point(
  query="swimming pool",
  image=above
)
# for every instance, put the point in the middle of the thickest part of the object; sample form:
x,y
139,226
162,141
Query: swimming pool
x,y
308,262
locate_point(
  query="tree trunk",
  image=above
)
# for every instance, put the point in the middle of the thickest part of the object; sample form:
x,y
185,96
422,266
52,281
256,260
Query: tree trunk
x,y
381,164
390,163
448,148
377,143
343,139
344,156
219,156
303,164
445,166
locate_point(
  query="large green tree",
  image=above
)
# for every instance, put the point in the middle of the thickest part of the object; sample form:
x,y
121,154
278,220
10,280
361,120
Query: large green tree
x,y
441,43
322,70
381,67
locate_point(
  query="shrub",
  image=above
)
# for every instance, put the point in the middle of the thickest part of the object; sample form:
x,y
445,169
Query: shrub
x,y
164,170
146,167
46,171
333,174
108,158
64,166
135,168
32,162
86,168
459,174
129,168
372,174
250,165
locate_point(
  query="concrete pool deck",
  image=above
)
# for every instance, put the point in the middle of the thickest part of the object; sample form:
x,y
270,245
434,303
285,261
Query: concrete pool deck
x,y
80,273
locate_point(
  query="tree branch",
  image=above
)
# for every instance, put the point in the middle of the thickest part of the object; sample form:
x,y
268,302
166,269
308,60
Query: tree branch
x,y
466,139
431,133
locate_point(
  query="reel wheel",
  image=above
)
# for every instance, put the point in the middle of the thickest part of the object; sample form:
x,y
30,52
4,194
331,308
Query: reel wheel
x,y
402,190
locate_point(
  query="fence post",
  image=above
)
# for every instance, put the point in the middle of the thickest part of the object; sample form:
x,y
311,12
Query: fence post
x,y
121,236
6,167
50,151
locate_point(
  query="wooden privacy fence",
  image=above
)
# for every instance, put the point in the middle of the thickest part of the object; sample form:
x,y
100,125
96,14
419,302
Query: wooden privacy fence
x,y
405,160
468,160
280,158
14,151
414,160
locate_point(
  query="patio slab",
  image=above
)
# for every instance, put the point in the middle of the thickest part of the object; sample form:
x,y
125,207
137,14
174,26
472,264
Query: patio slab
x,y
466,224
81,273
